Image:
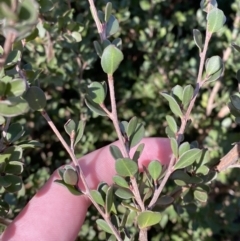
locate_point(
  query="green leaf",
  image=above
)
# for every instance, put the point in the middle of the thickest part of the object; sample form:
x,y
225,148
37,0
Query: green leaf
x,y
106,43
96,92
120,181
213,65
200,195
132,126
35,98
187,95
204,170
108,11
169,132
124,193
137,136
104,226
235,100
97,197
12,58
14,132
30,144
94,107
172,123
77,36
111,59
173,104
138,152
80,131
177,92
165,200
71,189
197,36
14,167
123,127
16,183
70,127
183,148
98,48
109,199
4,208
148,218
217,75
174,146
188,158
112,26
115,151
215,20
155,169
180,177
126,167
117,42
15,108
70,177
15,88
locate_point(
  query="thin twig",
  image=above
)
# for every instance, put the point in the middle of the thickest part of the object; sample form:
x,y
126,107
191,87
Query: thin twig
x,y
97,21
184,120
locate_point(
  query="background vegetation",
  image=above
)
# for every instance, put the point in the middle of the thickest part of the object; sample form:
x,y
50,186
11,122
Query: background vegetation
x,y
159,52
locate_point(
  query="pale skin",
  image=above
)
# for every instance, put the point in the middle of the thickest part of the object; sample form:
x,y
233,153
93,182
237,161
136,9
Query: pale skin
x,y
55,214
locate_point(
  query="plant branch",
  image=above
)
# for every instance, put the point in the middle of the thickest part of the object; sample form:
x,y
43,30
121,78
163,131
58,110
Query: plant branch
x,y
74,159
97,21
184,120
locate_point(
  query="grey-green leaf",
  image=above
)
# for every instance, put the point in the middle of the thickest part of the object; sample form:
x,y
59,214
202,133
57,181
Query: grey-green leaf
x,y
175,108
116,152
215,20
109,199
177,92
96,92
132,126
120,181
70,177
104,226
97,197
197,36
174,146
126,167
71,189
35,98
108,11
213,65
124,193
172,123
111,59
80,130
148,218
155,169
137,136
94,107
138,152
98,48
187,95
70,127
112,26
188,158
185,146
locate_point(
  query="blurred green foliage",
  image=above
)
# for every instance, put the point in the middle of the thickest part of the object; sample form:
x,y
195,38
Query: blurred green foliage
x,y
159,53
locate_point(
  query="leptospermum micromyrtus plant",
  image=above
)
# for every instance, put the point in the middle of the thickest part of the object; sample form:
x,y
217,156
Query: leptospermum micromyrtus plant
x,y
141,193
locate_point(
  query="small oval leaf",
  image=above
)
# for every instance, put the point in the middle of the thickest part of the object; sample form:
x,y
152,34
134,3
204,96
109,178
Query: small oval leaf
x,y
155,169
148,218
126,167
